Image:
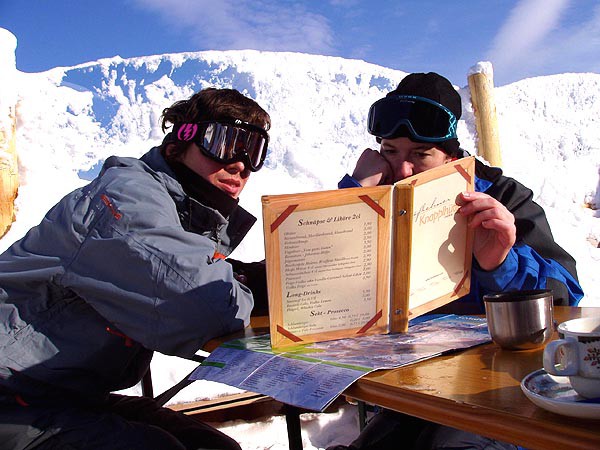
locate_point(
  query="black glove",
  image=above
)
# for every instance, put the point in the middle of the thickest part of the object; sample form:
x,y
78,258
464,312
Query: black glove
x,y
253,275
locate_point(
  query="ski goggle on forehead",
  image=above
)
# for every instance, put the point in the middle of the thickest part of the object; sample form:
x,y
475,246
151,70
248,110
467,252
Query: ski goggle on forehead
x,y
425,119
227,141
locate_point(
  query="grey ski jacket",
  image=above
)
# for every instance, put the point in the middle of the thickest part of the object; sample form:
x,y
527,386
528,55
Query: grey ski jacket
x,y
121,267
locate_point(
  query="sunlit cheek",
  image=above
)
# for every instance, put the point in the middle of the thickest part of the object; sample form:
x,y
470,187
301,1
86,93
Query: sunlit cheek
x,y
431,164
212,178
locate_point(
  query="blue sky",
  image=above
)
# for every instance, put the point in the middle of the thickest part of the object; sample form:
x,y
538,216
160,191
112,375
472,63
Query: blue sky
x,y
521,38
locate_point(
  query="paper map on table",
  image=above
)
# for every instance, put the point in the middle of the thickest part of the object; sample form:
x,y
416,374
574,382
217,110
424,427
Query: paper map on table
x,y
311,376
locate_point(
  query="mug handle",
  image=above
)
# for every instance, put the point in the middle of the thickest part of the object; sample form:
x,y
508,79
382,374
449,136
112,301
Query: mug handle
x,y
567,363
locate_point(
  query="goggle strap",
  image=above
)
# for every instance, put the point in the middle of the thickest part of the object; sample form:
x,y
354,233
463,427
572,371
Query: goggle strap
x,y
187,131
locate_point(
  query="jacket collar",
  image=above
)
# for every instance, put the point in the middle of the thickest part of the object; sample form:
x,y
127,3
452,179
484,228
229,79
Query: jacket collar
x,y
203,191
197,215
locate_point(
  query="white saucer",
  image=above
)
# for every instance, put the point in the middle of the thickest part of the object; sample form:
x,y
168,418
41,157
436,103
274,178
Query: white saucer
x,y
555,394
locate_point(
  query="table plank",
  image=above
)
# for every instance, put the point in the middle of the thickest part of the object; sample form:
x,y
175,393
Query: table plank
x,y
478,390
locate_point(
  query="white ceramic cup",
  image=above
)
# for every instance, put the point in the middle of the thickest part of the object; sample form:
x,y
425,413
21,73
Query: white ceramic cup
x,y
577,355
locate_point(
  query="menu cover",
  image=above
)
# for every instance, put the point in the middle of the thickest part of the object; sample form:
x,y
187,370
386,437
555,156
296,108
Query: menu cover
x,y
366,260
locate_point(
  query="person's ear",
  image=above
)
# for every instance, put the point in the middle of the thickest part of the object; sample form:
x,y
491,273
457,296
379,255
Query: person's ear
x,y
169,149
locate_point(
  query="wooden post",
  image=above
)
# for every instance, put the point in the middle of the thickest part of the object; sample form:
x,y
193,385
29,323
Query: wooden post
x,y
481,85
9,168
9,175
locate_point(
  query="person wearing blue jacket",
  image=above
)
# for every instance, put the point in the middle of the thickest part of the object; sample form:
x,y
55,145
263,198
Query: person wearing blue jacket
x,y
513,246
132,263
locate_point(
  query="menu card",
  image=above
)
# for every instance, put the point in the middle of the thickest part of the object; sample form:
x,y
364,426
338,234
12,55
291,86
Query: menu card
x,y
364,261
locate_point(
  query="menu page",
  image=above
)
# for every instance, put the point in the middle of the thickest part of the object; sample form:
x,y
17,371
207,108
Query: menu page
x,y
328,268
436,225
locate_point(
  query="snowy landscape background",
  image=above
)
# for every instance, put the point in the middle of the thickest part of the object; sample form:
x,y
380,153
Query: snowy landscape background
x,y
70,119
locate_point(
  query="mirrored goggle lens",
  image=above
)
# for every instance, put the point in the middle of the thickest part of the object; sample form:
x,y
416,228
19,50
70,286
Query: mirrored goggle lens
x,y
424,120
228,143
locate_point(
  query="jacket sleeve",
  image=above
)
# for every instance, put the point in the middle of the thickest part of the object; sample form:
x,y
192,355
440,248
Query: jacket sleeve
x,y
347,182
536,261
254,276
156,282
524,268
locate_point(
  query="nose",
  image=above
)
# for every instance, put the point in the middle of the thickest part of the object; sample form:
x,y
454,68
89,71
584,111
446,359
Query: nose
x,y
236,167
406,169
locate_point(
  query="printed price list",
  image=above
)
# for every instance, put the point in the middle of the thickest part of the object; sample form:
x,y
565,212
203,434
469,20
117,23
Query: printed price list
x,y
329,268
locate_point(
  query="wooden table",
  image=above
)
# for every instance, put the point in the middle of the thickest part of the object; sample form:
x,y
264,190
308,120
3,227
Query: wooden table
x,y
478,390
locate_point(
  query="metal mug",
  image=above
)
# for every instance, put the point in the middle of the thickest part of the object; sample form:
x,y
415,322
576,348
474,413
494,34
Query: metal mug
x,y
520,320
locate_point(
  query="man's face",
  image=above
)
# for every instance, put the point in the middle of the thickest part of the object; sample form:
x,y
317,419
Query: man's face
x,y
408,158
230,178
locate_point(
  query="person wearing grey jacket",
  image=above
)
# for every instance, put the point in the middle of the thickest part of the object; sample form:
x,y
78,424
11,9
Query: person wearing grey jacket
x,y
132,263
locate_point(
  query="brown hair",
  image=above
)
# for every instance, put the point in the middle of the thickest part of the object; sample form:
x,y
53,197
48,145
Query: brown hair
x,y
207,105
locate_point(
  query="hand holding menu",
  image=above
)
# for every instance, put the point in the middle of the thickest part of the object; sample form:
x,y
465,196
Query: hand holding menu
x,y
366,260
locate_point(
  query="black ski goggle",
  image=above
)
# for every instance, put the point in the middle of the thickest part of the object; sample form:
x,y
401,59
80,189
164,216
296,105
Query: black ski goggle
x,y
228,141
425,119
